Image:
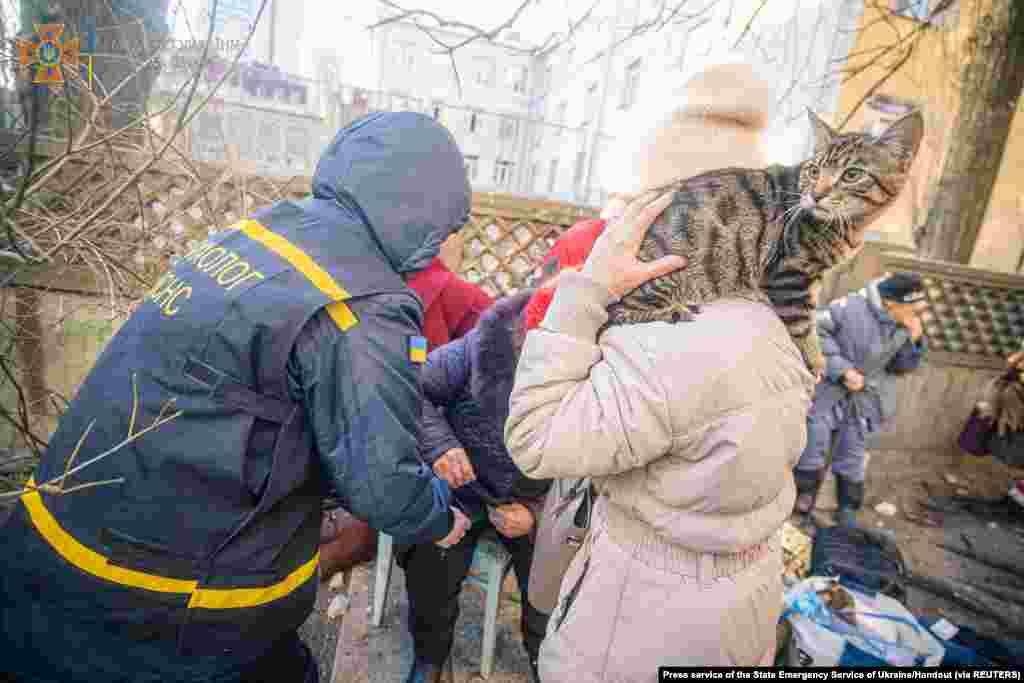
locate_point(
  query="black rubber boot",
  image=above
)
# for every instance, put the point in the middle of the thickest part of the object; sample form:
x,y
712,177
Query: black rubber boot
x,y
534,625
808,484
851,499
534,674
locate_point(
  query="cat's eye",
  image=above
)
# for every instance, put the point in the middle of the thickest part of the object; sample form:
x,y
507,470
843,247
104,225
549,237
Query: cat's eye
x,y
812,172
852,175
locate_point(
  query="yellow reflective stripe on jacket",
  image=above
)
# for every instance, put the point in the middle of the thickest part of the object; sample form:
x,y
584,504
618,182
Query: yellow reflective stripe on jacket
x,y
229,598
93,563
90,561
321,279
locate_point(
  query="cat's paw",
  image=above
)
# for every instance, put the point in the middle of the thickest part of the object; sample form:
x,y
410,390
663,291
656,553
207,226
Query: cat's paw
x,y
684,314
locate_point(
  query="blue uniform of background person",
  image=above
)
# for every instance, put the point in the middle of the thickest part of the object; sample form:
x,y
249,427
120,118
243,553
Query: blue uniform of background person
x,y
857,332
286,343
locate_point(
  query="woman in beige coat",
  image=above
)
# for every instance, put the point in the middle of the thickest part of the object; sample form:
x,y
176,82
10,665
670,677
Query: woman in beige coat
x,y
690,432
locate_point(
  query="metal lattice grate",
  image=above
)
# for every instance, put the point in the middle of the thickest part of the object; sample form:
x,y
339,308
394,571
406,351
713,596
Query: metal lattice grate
x,y
974,317
965,318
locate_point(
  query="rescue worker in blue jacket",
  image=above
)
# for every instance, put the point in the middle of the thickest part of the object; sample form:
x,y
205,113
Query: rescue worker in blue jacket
x,y
291,346
867,338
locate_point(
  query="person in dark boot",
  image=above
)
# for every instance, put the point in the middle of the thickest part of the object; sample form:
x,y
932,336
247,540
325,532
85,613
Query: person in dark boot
x,y
466,387
868,338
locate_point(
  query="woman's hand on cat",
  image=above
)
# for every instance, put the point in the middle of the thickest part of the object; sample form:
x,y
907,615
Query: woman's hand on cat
x,y
613,263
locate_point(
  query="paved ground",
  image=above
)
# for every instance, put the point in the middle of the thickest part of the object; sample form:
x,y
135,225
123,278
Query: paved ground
x,y
386,652
905,479
902,478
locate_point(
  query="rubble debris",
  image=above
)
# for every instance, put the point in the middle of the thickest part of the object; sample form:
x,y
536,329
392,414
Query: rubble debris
x,y
796,551
985,559
338,606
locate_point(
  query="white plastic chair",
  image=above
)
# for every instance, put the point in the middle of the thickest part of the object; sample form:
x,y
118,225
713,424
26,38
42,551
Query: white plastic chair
x,y
492,563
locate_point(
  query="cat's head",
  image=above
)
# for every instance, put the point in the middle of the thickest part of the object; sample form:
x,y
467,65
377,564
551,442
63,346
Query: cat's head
x,y
853,177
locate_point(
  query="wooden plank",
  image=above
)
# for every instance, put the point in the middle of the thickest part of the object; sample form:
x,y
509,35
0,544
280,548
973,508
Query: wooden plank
x,y
351,660
65,279
966,360
976,277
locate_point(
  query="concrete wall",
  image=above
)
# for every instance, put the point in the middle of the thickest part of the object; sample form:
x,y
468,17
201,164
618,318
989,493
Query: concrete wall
x,y
934,403
58,336
854,275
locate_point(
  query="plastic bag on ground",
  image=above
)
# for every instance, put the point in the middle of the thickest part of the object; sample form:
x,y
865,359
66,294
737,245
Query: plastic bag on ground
x,y
882,632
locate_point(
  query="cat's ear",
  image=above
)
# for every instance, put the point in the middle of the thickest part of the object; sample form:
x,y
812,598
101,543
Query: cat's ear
x,y
904,136
823,133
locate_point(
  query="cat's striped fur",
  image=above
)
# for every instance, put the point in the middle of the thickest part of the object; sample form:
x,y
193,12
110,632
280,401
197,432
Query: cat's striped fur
x,y
770,235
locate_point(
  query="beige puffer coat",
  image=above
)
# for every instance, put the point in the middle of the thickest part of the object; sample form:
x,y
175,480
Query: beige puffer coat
x,y
691,431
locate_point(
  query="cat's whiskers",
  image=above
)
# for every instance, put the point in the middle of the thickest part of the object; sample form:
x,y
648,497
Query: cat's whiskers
x,y
796,211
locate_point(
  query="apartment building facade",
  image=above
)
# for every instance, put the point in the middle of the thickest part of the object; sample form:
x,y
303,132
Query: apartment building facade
x,y
598,79
487,96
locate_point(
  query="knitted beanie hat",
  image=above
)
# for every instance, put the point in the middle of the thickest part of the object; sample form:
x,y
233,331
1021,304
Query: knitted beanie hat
x,y
905,288
704,119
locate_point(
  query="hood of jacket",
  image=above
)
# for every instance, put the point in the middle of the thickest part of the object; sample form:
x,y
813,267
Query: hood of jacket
x,y
403,175
874,299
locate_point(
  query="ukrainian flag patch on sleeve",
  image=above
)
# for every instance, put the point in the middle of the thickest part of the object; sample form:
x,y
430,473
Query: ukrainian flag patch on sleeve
x,y
418,349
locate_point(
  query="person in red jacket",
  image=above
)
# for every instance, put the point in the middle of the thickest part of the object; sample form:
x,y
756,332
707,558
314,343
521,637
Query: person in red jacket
x,y
569,252
451,308
451,305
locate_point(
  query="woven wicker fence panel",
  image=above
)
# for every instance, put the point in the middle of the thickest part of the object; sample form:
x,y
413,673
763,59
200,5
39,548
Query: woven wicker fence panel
x,y
507,238
974,318
176,204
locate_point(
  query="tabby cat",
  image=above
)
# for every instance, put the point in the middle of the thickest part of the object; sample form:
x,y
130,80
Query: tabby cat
x,y
770,235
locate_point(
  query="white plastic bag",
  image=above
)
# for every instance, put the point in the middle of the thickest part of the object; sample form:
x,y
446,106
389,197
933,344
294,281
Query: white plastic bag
x,y
883,633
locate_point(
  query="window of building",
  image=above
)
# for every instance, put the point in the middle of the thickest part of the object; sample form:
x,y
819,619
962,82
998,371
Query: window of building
x,y
483,71
517,78
472,166
552,175
559,127
405,55
590,103
883,111
678,53
297,147
474,122
933,11
912,9
534,176
270,142
630,85
503,173
577,176
509,129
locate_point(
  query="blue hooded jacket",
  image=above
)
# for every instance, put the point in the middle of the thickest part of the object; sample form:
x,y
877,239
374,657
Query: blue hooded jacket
x,y
286,344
